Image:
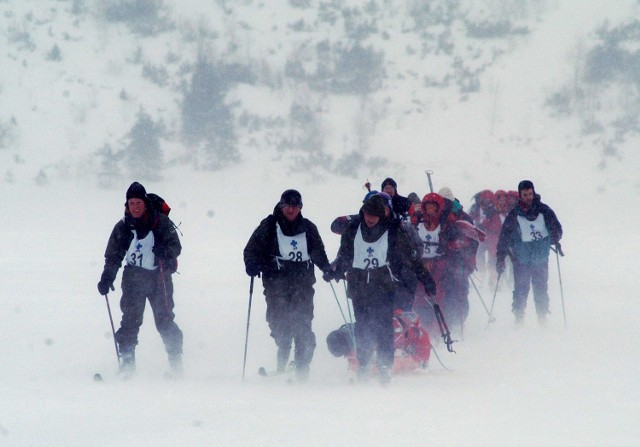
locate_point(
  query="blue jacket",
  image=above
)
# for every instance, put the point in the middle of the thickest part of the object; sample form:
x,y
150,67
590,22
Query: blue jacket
x,y
532,252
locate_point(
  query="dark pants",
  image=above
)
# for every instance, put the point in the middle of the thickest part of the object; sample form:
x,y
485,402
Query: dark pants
x,y
535,276
374,327
138,285
289,314
456,294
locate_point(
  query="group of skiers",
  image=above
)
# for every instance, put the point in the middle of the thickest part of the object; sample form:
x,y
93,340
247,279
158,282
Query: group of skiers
x,y
400,256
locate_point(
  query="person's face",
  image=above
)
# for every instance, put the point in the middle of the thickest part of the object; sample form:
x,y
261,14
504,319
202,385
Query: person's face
x,y
526,197
389,190
371,220
502,201
430,209
137,207
290,212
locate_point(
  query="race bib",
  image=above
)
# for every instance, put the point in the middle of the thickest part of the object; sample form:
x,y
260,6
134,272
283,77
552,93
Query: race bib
x,y
292,248
370,255
533,230
430,241
140,253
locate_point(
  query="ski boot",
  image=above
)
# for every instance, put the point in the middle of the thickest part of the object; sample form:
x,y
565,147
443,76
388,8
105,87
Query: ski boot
x,y
175,362
283,358
384,375
127,364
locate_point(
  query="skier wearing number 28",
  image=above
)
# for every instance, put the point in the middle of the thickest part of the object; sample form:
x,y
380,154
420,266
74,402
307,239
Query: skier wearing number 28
x,y
527,234
147,240
284,248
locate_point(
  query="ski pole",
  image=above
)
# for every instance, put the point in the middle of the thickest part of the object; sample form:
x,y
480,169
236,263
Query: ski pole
x,y
473,283
164,285
429,172
491,319
113,329
558,252
246,338
338,303
346,297
442,325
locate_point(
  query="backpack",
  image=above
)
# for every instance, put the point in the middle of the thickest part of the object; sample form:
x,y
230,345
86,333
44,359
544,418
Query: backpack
x,y
157,203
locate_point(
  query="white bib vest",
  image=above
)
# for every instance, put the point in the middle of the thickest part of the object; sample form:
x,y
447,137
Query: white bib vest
x,y
370,255
533,230
292,248
140,253
430,241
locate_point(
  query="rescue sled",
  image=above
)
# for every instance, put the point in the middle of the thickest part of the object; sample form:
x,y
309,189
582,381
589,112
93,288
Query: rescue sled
x,y
411,342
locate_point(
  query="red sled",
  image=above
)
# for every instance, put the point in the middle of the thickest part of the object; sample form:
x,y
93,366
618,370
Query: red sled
x,y
411,342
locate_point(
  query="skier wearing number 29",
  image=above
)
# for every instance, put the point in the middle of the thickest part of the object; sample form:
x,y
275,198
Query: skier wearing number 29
x,y
284,248
377,257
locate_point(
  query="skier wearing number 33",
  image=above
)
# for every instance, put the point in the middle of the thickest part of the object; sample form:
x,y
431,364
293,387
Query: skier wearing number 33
x,y
284,248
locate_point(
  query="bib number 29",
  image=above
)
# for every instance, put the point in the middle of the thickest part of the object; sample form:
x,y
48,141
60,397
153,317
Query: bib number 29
x,y
371,263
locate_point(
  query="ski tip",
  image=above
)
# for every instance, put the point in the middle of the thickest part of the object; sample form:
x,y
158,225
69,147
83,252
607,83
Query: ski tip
x,y
97,377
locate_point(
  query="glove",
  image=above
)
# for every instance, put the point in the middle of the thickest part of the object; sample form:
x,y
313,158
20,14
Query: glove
x,y
328,275
104,285
162,252
252,269
429,285
500,266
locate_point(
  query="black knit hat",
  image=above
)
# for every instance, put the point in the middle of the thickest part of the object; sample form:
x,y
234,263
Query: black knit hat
x,y
525,184
374,206
137,191
291,197
389,181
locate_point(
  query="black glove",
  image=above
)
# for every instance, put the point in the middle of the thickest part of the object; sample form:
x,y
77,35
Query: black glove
x,y
328,275
104,285
500,266
252,269
162,252
429,285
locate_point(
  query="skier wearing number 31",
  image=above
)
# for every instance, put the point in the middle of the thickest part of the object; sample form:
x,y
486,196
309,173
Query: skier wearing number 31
x,y
284,248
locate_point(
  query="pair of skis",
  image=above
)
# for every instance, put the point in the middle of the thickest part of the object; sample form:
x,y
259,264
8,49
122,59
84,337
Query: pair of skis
x,y
263,372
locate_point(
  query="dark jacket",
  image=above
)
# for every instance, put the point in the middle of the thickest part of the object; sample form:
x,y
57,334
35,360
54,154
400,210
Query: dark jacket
x,y
528,253
164,233
401,205
263,250
404,263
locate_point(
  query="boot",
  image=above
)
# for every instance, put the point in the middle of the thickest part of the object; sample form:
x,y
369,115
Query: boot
x,y
175,362
302,373
519,314
127,364
363,374
384,375
283,358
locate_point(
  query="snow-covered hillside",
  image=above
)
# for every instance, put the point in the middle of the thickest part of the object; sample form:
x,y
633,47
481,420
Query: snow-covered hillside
x,y
343,87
